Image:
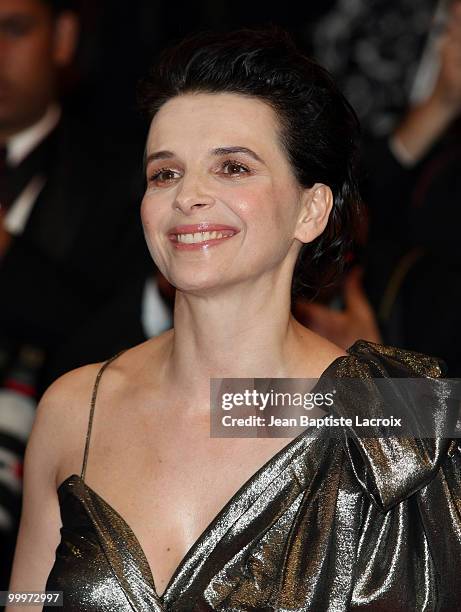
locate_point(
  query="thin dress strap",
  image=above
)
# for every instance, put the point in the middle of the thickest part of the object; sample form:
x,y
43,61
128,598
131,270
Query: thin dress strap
x,y
93,403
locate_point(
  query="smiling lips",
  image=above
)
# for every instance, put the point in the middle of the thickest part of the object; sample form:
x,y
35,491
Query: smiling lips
x,y
202,235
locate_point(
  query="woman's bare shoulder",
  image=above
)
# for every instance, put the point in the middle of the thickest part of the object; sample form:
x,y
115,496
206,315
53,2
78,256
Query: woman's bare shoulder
x,y
66,394
71,389
67,400
62,413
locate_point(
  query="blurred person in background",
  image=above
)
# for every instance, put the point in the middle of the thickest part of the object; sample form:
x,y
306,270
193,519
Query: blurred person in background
x,y
413,265
71,247
411,286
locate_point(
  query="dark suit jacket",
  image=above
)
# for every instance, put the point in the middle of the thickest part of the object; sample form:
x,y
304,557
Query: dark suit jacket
x,y
81,246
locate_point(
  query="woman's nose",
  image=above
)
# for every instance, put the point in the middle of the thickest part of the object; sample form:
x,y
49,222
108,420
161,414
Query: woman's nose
x,y
192,196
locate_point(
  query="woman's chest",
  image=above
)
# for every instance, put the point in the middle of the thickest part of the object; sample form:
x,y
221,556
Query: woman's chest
x,y
169,488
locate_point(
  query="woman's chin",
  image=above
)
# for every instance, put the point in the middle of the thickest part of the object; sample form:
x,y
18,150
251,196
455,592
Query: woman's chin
x,y
201,285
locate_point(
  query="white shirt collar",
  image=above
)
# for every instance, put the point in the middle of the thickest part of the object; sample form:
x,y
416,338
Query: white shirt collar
x,y
21,144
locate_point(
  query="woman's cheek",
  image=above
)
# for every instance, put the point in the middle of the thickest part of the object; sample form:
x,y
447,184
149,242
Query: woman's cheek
x,y
149,212
148,224
143,211
251,202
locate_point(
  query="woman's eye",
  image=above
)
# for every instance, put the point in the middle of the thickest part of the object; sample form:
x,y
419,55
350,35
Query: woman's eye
x,y
234,168
164,175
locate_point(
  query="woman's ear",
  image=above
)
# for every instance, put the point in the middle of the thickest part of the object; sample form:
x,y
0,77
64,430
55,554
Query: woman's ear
x,y
316,205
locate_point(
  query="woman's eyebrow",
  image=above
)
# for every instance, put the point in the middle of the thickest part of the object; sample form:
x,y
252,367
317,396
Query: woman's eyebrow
x,y
230,150
218,151
159,155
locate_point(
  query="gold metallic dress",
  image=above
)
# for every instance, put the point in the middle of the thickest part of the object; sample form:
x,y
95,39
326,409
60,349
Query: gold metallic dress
x,y
326,525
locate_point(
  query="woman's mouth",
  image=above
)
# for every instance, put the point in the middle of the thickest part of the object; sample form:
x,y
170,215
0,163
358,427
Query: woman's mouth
x,y
199,237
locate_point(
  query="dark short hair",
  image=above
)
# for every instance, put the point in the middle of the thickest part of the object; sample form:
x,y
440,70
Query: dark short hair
x,y
319,129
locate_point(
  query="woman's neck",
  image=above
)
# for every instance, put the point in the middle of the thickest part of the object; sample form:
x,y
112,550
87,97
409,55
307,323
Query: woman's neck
x,y
250,334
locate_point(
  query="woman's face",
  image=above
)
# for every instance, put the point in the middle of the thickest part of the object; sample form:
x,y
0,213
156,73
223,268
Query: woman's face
x,y
222,205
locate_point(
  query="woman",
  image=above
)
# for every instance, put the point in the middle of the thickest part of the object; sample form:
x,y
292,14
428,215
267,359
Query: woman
x,y
250,174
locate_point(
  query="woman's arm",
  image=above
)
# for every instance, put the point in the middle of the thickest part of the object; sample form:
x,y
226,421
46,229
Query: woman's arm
x,y
59,419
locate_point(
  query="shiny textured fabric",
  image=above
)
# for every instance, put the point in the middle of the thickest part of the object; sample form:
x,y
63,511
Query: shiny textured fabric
x,y
327,524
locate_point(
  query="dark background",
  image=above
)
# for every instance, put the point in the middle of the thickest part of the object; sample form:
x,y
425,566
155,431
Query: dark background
x,y
372,47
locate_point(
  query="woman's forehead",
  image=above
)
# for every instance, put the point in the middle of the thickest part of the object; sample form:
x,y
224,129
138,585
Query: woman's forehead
x,y
207,117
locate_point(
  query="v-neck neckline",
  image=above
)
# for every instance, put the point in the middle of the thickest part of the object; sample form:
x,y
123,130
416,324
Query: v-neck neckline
x,y
225,508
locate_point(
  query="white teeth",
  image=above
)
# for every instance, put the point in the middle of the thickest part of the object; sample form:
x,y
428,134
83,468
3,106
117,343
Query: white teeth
x,y
201,237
